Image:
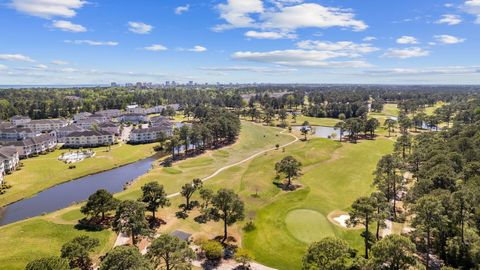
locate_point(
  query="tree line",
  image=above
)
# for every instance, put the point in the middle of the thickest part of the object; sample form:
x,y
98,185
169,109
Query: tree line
x,y
436,177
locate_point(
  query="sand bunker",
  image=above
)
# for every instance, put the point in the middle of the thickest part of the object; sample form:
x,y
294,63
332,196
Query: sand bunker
x,y
342,220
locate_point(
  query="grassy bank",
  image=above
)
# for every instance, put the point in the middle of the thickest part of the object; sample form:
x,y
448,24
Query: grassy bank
x,y
44,171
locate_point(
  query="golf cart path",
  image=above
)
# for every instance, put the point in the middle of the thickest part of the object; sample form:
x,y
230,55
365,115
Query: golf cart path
x,y
123,239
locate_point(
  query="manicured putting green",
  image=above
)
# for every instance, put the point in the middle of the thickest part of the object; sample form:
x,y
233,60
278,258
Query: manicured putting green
x,y
308,225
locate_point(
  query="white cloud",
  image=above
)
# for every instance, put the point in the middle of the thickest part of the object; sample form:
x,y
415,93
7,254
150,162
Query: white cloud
x,y
156,48
406,53
269,35
68,26
353,49
41,66
3,67
447,39
15,57
237,13
407,40
182,9
289,18
92,42
473,7
311,15
198,49
48,8
369,38
139,27
300,58
450,19
59,62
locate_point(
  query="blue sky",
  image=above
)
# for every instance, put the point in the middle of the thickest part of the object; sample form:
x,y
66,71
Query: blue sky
x,y
271,41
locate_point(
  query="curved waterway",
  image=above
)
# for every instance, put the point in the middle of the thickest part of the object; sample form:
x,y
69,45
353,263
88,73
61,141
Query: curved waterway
x,y
74,191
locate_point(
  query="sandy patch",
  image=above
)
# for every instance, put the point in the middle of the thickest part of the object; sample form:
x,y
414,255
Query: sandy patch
x,y
342,220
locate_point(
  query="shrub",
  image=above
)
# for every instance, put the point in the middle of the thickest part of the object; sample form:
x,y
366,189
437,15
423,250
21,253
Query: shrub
x,y
242,257
250,226
213,250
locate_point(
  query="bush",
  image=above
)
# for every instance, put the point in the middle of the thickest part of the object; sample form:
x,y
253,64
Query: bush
x,y
213,250
250,226
242,257
72,167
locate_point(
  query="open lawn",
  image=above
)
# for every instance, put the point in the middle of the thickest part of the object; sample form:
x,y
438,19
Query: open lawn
x,y
37,237
390,109
326,122
44,171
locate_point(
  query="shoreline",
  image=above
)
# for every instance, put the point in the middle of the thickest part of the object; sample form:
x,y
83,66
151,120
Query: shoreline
x,y
86,175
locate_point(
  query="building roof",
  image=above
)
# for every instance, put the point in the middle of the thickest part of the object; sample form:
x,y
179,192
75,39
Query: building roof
x,y
96,115
181,235
148,130
16,130
134,114
71,128
47,121
19,117
88,133
7,152
89,121
32,141
159,119
6,125
83,114
108,111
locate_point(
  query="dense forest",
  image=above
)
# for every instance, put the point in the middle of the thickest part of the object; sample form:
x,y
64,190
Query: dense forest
x,y
315,100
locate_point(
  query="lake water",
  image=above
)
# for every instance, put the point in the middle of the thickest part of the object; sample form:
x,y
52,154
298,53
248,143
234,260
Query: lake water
x,y
326,132
66,194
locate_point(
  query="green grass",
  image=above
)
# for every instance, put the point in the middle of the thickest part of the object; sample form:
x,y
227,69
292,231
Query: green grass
x,y
43,236
308,225
327,122
431,110
44,171
390,109
36,238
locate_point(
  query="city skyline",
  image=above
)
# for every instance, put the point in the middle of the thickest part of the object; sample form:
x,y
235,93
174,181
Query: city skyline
x,y
245,41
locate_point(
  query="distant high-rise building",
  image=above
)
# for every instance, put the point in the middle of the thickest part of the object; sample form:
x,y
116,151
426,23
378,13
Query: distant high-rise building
x,y
167,83
114,84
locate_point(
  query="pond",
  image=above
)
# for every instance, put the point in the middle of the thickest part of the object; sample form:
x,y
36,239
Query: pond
x,y
75,191
325,132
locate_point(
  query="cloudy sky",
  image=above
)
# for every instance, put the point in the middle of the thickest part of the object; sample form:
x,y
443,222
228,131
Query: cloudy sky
x,y
277,41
